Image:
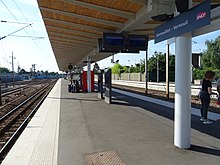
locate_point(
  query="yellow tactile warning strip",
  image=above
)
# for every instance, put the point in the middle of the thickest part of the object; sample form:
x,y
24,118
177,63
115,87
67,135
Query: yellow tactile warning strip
x,y
104,158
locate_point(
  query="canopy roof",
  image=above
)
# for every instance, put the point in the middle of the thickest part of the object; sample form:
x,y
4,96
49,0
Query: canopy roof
x,y
74,26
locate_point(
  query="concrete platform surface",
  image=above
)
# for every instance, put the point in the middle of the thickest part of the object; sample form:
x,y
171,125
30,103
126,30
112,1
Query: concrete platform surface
x,y
130,131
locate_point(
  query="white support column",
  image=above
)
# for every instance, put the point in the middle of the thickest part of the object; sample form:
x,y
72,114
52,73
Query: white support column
x,y
89,75
182,120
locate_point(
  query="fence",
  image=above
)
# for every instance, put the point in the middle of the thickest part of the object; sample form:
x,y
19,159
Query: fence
x,y
125,76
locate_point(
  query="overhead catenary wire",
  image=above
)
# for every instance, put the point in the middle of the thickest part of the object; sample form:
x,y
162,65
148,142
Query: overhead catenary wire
x,y
33,37
35,33
14,32
5,58
13,15
24,16
37,44
19,23
3,21
20,10
3,49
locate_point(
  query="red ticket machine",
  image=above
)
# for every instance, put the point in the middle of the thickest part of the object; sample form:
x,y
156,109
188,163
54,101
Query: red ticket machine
x,y
84,81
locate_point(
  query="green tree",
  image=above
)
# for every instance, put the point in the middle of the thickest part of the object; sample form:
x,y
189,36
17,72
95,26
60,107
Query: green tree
x,y
137,68
211,57
160,58
142,63
172,68
198,73
52,73
157,58
4,70
19,68
22,71
117,69
124,69
133,69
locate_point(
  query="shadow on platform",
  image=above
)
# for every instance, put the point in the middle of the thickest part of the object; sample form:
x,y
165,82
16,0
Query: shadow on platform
x,y
205,150
212,130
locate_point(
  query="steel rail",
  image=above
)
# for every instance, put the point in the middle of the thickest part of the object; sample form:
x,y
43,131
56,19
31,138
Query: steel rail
x,y
21,104
18,132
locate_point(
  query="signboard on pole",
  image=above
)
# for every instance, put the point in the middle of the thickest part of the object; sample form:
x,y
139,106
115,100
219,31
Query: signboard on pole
x,y
195,18
108,86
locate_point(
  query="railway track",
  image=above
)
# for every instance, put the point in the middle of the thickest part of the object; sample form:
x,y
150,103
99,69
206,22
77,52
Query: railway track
x,y
195,101
15,95
158,86
14,121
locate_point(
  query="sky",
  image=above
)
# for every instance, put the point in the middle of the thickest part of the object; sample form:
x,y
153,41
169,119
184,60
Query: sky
x,y
32,46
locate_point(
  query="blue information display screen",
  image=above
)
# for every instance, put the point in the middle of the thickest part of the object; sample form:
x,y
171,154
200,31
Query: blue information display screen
x,y
114,41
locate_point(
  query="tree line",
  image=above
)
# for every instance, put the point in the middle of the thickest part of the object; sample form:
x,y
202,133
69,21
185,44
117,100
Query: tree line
x,y
4,70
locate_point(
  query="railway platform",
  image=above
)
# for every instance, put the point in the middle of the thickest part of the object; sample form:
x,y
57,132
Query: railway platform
x,y
80,129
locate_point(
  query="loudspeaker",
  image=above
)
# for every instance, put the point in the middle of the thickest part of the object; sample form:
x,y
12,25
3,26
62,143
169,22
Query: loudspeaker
x,y
182,5
161,17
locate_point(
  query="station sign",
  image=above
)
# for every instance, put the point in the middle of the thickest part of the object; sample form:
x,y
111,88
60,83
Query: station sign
x,y
190,20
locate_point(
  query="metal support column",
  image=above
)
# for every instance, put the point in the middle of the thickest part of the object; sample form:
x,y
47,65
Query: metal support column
x,y
146,72
158,69
13,73
89,75
100,85
167,70
0,91
140,72
129,71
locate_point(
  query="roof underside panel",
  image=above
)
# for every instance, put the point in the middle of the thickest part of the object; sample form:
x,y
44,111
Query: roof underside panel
x,y
74,26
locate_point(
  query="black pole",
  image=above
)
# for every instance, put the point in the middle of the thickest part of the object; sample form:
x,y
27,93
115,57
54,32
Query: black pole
x,y
146,73
13,74
158,69
6,84
0,91
167,71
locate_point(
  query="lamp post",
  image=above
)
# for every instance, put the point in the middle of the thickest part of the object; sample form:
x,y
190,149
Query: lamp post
x,y
0,89
129,71
146,72
140,71
13,74
167,70
158,70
